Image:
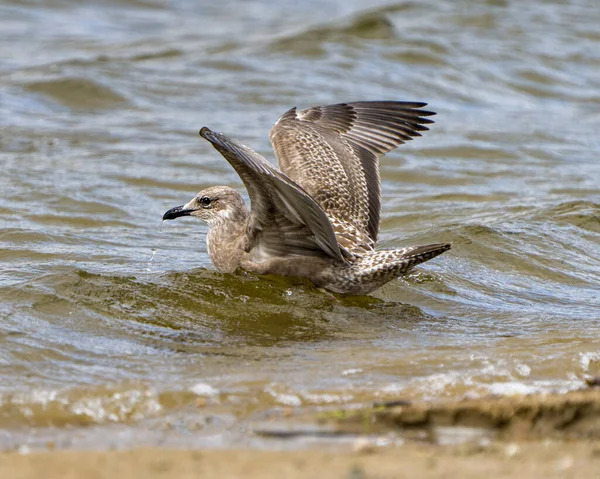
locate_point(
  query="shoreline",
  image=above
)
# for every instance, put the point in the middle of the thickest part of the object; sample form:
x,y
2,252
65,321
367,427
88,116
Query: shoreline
x,y
550,435
546,459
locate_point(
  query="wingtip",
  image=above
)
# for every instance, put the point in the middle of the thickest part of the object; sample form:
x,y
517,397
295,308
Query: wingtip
x,y
204,131
427,113
422,104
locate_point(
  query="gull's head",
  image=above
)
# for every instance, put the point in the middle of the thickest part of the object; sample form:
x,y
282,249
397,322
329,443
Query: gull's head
x,y
212,205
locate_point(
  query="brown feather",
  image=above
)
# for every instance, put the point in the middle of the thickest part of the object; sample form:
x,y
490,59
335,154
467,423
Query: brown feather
x,y
332,152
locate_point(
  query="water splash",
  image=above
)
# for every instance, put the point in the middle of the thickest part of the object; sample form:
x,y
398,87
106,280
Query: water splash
x,y
149,268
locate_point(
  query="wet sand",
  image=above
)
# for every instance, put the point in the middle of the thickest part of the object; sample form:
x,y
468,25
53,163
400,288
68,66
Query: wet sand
x,y
571,416
522,436
538,459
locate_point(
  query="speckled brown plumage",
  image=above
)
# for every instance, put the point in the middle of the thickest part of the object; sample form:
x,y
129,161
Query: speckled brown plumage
x,y
317,217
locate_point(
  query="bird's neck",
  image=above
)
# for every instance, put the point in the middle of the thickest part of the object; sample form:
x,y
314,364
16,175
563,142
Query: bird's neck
x,y
225,240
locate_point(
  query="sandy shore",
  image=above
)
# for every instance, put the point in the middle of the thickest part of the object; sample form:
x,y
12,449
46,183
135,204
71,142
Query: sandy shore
x,y
542,436
530,460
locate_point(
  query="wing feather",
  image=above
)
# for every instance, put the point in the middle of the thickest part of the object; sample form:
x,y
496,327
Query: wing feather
x,y
284,219
332,152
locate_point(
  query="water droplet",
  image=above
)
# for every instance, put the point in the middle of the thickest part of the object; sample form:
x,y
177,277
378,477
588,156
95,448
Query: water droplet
x,y
149,268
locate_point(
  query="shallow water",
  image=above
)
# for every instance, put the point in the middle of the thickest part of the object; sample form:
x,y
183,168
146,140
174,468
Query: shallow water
x,y
114,333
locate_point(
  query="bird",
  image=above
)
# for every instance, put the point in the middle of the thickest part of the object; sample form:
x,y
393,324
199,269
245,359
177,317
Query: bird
x,y
318,215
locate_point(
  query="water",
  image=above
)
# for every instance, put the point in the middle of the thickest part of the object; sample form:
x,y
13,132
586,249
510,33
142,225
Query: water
x,y
114,333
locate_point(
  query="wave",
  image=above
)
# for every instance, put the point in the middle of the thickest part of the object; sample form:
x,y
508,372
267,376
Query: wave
x,y
78,93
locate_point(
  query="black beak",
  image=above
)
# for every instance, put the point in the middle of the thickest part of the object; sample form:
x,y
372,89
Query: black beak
x,y
176,213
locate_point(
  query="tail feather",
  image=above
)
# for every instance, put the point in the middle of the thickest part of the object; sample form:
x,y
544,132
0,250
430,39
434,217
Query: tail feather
x,y
376,268
419,254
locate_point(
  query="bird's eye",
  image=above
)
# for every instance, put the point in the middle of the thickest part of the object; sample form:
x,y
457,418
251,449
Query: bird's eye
x,y
205,201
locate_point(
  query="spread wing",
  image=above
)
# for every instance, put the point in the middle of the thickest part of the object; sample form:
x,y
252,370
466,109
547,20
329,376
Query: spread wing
x,y
332,152
284,219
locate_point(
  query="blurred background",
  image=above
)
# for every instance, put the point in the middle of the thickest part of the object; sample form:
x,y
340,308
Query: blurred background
x,y
115,332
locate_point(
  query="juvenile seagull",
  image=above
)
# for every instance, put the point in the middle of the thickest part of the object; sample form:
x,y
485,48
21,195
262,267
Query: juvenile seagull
x,y
317,217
